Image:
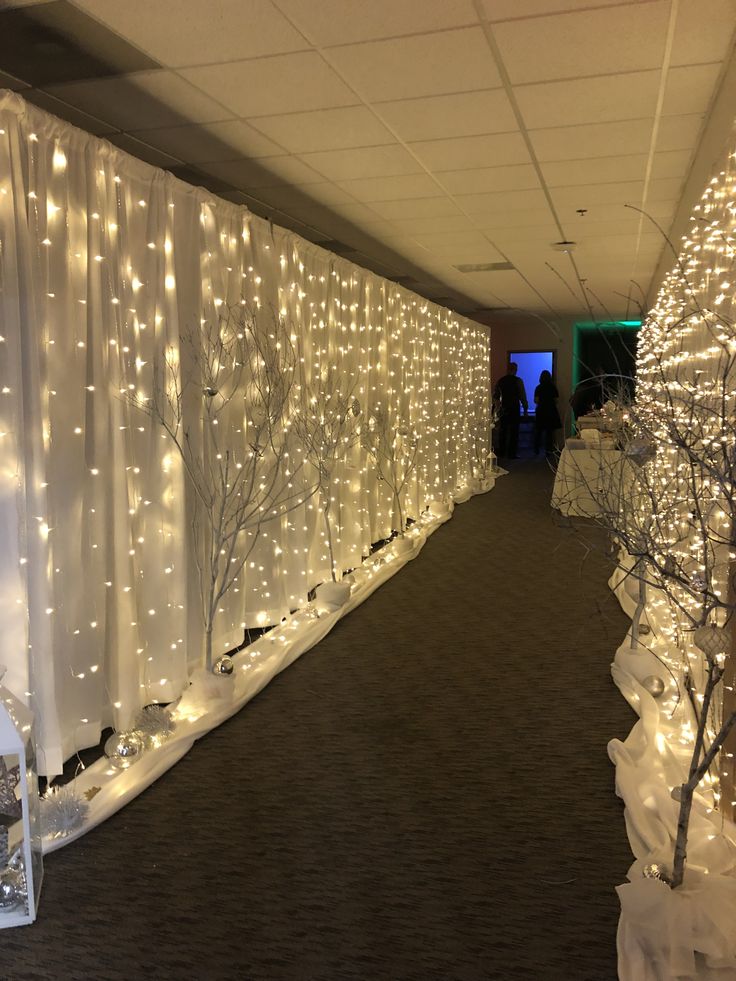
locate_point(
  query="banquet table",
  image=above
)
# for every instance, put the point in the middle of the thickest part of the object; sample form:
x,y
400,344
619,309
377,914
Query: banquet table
x,y
581,471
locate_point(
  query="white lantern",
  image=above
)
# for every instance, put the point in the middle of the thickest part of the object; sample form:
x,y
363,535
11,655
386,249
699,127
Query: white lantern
x,y
21,863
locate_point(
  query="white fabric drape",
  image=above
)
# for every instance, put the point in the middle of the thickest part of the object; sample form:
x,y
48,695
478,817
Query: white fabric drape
x,y
104,261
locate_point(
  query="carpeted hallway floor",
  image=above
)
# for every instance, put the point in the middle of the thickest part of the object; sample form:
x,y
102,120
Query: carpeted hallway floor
x,y
426,795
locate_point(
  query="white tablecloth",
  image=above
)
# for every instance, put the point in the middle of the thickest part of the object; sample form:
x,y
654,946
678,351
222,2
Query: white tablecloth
x,y
581,469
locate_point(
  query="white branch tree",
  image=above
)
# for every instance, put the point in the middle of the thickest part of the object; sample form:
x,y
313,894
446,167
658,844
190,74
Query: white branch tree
x,y
225,401
326,425
669,502
393,448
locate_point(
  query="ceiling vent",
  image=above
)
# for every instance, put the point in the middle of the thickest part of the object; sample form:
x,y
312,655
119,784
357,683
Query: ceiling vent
x,y
471,267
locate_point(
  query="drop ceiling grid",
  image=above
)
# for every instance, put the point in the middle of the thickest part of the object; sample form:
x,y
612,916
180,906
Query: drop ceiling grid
x,y
439,146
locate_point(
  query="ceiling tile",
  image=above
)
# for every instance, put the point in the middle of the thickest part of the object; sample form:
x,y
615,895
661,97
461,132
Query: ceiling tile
x,y
671,163
375,161
473,151
662,210
290,198
442,117
589,100
143,151
361,214
281,83
426,64
679,132
569,45
326,129
508,201
516,219
530,234
179,34
392,188
455,241
266,172
496,10
143,101
615,138
482,179
592,140
462,255
601,170
439,223
624,192
703,32
213,141
56,42
415,208
342,21
90,124
690,89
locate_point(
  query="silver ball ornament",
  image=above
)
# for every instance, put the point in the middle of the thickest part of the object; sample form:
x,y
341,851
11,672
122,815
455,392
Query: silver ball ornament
x,y
223,666
12,888
124,748
656,871
654,685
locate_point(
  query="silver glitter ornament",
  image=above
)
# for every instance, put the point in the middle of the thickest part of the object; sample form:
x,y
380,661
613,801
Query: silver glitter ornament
x,y
698,582
12,888
656,871
124,748
223,666
63,811
154,724
654,685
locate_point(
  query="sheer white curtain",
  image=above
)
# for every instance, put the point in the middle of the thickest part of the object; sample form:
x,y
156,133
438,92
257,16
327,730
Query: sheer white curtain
x,y
104,263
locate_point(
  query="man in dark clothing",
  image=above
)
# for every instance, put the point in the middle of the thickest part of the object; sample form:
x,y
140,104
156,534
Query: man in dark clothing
x,y
509,396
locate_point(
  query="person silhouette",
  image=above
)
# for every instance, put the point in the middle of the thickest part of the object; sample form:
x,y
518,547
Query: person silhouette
x,y
509,396
547,417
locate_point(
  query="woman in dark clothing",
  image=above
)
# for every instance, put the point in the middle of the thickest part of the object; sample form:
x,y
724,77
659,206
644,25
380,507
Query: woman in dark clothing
x,y
547,418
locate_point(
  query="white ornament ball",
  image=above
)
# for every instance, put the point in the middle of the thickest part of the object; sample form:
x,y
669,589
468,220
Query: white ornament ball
x,y
654,685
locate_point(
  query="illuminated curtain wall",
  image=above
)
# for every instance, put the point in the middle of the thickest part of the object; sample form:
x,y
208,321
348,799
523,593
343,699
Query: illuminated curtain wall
x,y
686,381
103,262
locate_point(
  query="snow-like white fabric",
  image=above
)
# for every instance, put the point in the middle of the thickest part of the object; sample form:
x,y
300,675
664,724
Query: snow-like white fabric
x,y
688,934
210,700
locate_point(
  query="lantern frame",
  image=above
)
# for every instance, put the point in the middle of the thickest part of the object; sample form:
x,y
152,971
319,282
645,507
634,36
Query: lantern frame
x,y
17,749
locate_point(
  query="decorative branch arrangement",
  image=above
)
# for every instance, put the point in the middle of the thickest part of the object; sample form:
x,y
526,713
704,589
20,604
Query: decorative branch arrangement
x,y
669,501
227,408
326,425
393,448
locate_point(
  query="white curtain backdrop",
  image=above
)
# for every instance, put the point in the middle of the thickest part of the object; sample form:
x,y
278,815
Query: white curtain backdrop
x,y
104,262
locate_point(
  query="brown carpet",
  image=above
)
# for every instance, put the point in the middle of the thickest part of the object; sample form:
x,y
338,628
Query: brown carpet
x,y
426,795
